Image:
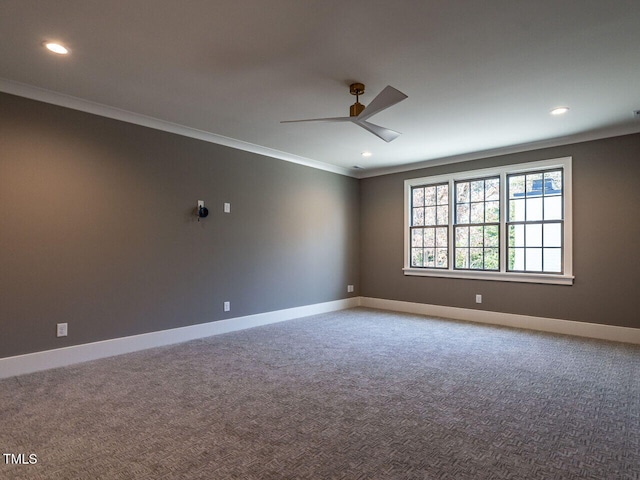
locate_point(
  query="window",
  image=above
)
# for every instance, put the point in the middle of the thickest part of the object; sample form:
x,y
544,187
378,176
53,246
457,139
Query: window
x,y
430,226
508,223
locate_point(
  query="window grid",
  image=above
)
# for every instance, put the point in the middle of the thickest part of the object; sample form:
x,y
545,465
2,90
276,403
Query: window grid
x,y
535,222
429,228
477,224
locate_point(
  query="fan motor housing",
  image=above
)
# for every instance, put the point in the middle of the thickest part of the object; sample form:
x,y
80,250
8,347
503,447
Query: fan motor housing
x,y
356,109
356,89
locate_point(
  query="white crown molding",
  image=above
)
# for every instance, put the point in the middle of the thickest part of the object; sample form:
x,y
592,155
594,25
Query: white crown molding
x,y
600,134
551,325
75,103
61,357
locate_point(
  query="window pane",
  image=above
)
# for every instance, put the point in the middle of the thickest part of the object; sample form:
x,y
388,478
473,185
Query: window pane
x,y
475,258
477,213
462,192
516,259
553,260
492,189
462,236
516,186
443,194
476,237
430,216
429,237
553,235
491,259
429,257
430,196
418,197
417,257
492,212
533,235
442,237
491,236
516,210
462,213
553,208
534,184
534,208
477,191
462,258
553,183
516,235
416,237
418,217
533,259
442,215
442,259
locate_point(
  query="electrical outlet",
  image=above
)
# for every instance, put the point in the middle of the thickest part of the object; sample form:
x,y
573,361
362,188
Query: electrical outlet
x,y
349,288
61,329
227,208
227,306
478,298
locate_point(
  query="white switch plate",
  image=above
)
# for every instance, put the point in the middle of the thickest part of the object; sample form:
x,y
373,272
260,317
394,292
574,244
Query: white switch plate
x,y
227,208
349,288
227,306
61,329
200,203
478,298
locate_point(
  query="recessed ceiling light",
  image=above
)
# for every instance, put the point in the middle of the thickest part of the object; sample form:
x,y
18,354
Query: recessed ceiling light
x,y
56,48
559,110
366,154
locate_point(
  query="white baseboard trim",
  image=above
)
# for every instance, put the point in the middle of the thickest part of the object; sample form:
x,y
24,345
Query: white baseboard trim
x,y
552,325
60,357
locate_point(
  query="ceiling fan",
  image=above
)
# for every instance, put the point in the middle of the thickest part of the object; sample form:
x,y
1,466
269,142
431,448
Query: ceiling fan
x,y
358,114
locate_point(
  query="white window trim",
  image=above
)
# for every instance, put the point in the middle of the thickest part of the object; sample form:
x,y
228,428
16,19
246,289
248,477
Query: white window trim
x,y
566,278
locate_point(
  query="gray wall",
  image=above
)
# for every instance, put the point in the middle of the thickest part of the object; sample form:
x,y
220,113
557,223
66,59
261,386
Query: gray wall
x,y
606,222
97,229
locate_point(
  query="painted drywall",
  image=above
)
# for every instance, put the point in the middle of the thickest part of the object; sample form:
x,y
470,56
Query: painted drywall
x,y
98,229
606,229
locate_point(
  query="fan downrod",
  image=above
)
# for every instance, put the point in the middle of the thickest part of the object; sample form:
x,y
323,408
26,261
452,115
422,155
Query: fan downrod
x,y
356,89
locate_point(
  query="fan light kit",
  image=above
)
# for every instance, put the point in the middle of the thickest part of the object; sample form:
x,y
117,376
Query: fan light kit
x,y
359,114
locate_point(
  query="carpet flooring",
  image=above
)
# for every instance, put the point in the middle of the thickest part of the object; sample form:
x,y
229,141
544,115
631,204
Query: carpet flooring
x,y
356,394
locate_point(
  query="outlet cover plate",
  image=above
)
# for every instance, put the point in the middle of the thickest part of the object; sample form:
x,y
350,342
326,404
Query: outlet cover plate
x,y
61,329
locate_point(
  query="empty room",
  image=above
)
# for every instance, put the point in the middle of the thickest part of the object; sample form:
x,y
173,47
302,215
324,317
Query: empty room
x,y
319,240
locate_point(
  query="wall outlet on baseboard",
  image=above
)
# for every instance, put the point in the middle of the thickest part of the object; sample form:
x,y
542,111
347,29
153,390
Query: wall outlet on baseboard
x,y
61,329
478,298
226,306
349,288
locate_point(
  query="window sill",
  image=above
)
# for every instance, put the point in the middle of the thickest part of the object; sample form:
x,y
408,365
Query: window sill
x,y
495,276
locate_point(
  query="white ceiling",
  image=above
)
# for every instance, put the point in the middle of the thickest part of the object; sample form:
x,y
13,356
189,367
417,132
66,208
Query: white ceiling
x,y
481,76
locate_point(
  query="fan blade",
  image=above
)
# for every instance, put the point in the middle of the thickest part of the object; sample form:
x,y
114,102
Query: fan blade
x,y
385,99
384,133
330,119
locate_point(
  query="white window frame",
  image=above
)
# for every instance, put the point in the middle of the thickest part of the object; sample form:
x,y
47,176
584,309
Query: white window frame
x,y
565,278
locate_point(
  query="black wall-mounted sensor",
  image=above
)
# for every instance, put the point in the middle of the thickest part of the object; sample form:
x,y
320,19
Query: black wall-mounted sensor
x,y
203,212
